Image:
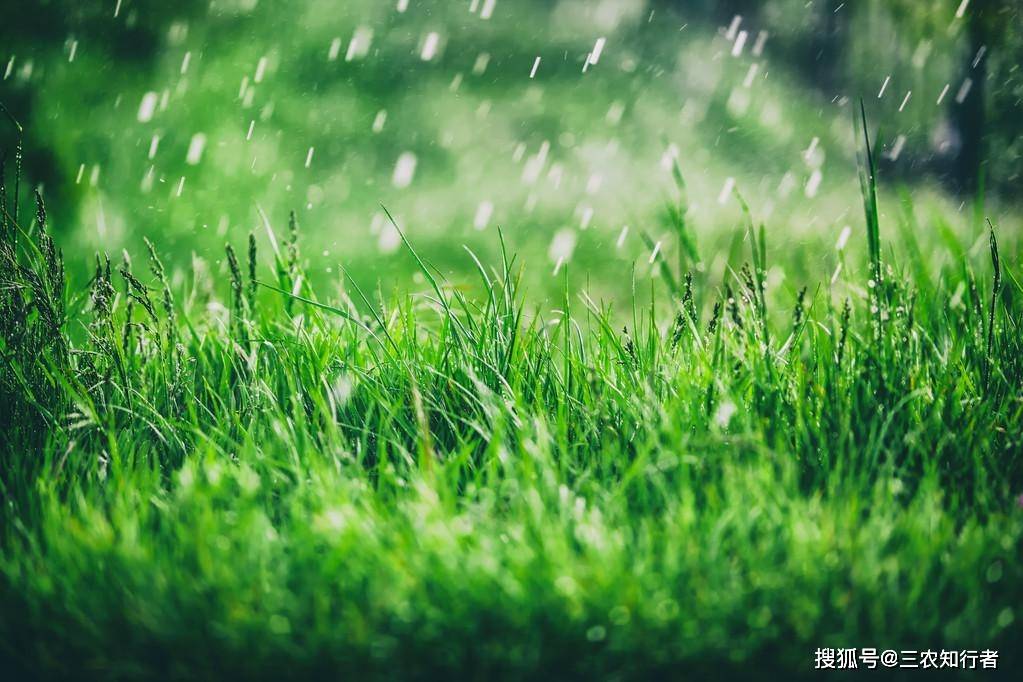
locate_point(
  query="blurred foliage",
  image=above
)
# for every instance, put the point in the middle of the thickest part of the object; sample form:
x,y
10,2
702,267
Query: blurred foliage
x,y
313,105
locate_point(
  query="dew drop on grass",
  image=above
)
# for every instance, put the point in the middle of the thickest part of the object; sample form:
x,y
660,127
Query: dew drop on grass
x,y
488,9
379,120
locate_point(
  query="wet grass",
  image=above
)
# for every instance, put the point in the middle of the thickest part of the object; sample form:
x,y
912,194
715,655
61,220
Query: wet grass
x,y
285,485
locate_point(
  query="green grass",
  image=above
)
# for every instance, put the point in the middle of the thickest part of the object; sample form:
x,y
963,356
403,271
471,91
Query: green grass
x,y
451,485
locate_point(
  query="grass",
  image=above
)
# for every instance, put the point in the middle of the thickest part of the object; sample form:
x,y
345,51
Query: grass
x,y
450,485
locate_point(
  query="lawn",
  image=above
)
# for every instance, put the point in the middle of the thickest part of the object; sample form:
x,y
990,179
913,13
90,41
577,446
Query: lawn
x,y
239,477
493,340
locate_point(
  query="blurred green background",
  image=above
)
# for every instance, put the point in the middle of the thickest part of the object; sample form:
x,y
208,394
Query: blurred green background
x,y
556,121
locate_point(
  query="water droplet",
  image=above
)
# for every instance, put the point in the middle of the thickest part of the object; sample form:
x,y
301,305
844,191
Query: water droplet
x,y
195,149
148,107
404,170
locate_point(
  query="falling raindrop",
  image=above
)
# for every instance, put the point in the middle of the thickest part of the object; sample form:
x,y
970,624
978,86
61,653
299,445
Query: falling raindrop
x,y
483,214
260,71
964,91
404,170
843,238
726,190
359,45
431,44
148,107
335,49
621,236
562,246
740,42
195,149
905,100
814,183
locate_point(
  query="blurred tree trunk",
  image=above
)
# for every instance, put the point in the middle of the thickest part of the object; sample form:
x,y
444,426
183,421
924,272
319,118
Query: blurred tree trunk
x,y
828,44
968,116
719,12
